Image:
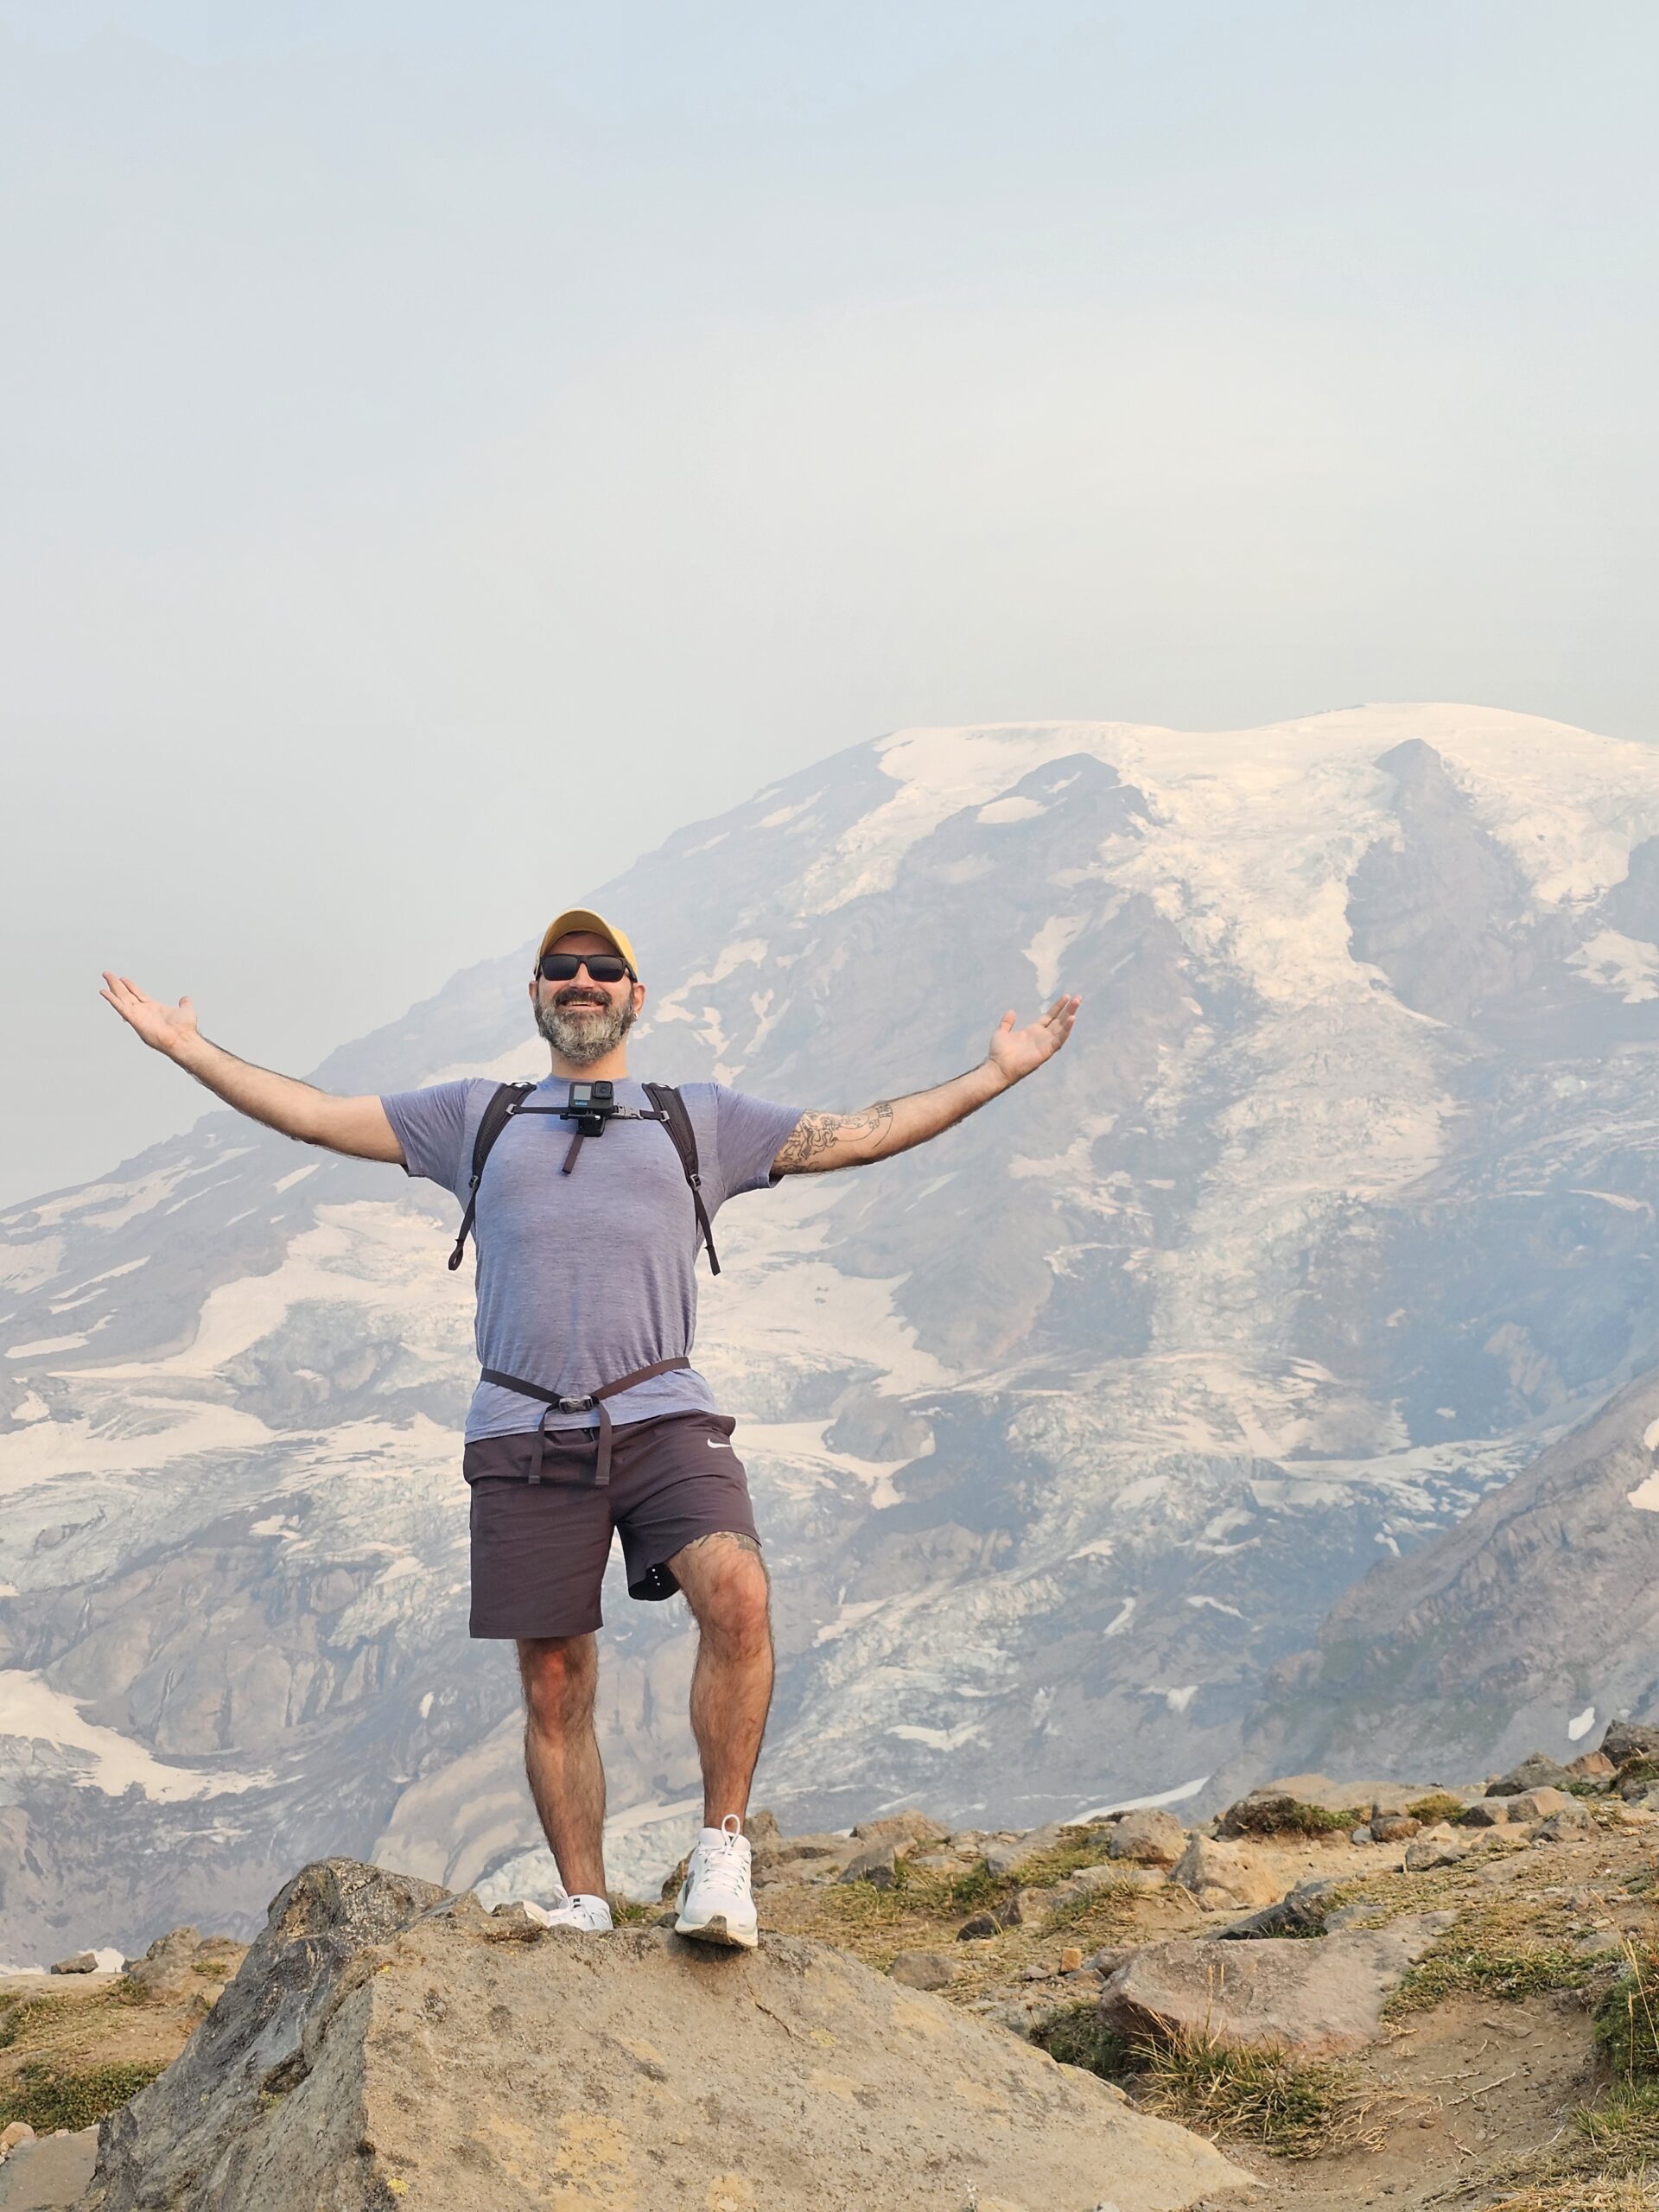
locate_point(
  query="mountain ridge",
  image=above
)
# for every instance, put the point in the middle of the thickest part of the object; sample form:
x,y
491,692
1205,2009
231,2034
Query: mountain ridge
x,y
1066,1431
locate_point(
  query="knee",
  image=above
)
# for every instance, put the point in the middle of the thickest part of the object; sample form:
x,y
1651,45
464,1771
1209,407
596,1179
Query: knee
x,y
559,1679
737,1613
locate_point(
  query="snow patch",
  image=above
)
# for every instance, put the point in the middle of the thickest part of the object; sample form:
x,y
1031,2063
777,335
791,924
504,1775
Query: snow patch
x,y
1045,948
1178,1700
848,1616
1178,1795
32,1710
937,1740
1580,1724
1623,964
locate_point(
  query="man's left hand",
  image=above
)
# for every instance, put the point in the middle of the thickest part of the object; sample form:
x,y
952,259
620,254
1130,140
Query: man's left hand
x,y
1015,1053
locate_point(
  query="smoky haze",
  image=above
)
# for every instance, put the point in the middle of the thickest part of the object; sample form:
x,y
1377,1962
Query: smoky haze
x,y
445,450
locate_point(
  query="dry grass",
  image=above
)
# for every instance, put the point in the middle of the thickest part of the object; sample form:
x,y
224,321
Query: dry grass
x,y
1634,2196
1296,2109
924,1910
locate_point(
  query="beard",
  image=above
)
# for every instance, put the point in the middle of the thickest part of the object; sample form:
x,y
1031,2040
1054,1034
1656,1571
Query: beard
x,y
581,1031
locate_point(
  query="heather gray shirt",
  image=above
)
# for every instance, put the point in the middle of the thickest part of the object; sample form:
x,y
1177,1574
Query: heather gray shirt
x,y
582,1278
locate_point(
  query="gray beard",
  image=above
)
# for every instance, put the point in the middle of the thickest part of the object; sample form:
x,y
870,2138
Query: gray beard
x,y
583,1038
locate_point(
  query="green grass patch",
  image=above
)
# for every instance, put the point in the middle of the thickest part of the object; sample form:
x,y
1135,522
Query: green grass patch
x,y
1487,1954
628,1912
1610,2162
1627,2019
1439,1805
17,2016
1621,2130
1290,1817
1081,2038
49,2096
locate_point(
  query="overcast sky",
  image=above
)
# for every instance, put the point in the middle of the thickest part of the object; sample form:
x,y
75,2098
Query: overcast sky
x,y
444,448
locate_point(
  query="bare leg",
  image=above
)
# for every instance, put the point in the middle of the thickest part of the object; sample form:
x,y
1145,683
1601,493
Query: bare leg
x,y
725,1585
561,1676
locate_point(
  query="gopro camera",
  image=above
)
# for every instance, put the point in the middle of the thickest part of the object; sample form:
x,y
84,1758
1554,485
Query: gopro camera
x,y
590,1105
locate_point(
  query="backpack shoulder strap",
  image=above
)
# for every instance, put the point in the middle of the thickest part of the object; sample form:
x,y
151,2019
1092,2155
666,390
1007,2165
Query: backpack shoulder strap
x,y
678,1121
505,1103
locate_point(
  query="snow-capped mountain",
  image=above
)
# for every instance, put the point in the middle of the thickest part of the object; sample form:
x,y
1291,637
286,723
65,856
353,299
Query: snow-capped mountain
x,y
1066,1430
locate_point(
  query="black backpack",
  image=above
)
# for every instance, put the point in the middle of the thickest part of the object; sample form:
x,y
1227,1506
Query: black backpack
x,y
668,1108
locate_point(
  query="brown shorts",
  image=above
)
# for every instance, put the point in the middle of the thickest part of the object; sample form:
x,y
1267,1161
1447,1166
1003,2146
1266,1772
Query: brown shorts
x,y
539,1548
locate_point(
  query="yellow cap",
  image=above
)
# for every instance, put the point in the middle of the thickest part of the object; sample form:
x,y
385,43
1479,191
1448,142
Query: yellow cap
x,y
584,918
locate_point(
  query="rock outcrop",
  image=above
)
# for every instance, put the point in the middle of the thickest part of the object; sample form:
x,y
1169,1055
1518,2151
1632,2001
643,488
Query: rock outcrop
x,y
1318,1998
386,2043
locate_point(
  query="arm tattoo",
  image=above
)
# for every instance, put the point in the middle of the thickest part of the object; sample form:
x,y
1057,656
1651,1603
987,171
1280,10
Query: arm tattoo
x,y
816,1136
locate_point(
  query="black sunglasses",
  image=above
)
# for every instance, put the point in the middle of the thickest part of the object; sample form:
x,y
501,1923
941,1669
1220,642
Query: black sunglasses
x,y
603,967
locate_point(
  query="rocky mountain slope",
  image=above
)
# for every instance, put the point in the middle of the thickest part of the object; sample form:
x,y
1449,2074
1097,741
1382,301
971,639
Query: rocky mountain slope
x,y
1067,1430
1543,1601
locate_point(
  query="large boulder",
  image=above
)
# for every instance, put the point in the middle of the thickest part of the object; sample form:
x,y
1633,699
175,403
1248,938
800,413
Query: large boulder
x,y
1629,1739
1149,1837
790,1858
1537,1771
385,2043
176,1963
1223,1877
48,2173
1317,1996
903,1830
1009,1856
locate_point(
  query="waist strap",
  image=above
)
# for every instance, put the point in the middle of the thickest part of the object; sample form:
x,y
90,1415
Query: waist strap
x,y
553,1402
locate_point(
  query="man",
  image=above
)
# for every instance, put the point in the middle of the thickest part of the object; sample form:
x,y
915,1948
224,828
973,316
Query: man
x,y
586,1285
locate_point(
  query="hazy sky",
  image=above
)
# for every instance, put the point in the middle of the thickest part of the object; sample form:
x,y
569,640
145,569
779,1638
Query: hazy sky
x,y
444,449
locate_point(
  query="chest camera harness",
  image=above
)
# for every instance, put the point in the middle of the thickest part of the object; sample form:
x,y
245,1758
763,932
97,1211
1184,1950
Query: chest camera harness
x,y
589,1107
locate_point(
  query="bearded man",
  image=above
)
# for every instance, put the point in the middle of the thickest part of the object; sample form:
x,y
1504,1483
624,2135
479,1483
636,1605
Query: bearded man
x,y
588,1418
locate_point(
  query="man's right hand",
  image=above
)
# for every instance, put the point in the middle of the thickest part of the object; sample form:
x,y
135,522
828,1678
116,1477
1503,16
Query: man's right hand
x,y
357,1127
169,1029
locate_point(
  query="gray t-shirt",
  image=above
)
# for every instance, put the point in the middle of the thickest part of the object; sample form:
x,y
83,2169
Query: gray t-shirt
x,y
584,1277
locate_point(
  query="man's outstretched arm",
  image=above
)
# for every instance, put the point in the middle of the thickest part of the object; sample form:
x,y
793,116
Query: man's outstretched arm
x,y
358,1126
819,1141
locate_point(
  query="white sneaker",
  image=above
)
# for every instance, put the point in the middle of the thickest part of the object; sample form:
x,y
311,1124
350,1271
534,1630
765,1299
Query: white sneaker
x,y
716,1904
590,1916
